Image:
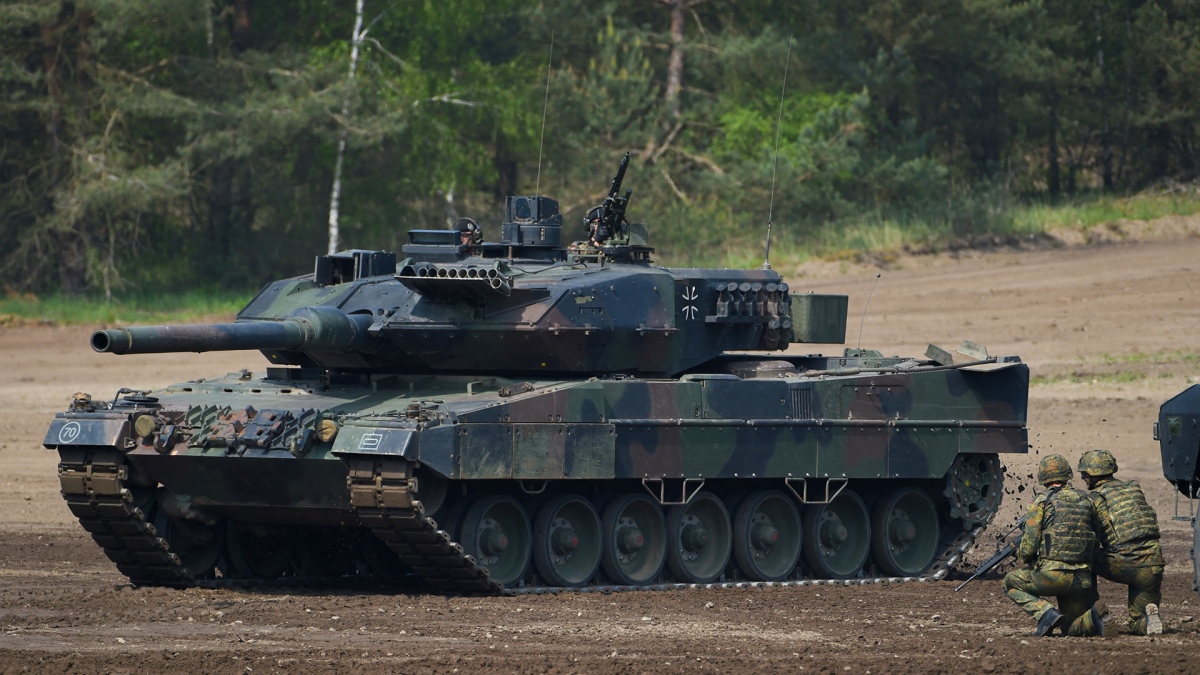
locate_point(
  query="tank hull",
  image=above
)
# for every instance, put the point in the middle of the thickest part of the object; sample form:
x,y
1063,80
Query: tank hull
x,y
812,458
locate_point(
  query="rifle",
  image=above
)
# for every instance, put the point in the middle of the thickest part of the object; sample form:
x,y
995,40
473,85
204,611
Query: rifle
x,y
611,213
1001,554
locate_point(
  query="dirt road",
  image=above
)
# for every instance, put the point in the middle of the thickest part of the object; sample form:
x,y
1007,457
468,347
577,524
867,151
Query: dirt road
x,y
1110,332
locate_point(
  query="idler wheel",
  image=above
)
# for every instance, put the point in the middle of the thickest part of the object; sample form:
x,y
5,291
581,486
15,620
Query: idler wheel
x,y
699,536
906,530
635,540
767,536
837,536
567,541
496,531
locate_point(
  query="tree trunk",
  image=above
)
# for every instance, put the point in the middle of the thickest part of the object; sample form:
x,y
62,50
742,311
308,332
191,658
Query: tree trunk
x,y
242,29
220,215
59,45
1127,127
1054,172
51,48
989,132
1159,134
72,262
1106,152
335,193
675,61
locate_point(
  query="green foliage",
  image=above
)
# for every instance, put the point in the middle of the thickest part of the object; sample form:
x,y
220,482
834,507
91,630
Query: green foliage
x,y
151,143
132,309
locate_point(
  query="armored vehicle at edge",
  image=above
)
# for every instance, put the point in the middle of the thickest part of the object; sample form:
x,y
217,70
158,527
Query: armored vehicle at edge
x,y
525,414
1178,434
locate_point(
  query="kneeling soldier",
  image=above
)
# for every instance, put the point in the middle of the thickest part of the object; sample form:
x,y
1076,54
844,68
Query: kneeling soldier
x,y
1128,532
1058,544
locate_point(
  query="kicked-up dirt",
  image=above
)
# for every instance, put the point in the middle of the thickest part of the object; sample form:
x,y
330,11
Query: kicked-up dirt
x,y
1110,332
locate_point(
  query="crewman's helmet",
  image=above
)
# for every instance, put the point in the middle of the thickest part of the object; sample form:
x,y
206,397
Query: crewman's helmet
x,y
1098,463
469,230
1054,469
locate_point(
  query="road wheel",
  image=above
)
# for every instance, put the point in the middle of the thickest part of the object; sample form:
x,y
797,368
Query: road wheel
x,y
567,541
767,534
197,544
635,540
837,536
905,532
496,531
699,534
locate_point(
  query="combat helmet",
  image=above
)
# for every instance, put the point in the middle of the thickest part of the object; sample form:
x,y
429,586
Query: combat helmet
x,y
468,230
1098,463
1054,469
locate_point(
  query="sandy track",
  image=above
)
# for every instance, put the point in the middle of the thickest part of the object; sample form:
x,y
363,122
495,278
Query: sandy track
x,y
1107,330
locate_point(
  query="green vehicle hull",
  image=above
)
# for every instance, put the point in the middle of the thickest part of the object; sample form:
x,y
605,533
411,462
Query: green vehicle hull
x,y
788,425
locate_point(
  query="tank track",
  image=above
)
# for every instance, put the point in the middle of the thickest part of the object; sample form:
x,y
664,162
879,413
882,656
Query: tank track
x,y
93,485
381,494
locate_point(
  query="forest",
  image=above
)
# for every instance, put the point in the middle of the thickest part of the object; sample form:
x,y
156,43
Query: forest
x,y
172,144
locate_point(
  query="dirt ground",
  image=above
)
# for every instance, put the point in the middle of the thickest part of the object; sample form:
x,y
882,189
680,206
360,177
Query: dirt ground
x,y
1109,331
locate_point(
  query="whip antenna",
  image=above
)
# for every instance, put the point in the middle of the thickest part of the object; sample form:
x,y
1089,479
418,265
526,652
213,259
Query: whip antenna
x,y
864,314
775,165
537,190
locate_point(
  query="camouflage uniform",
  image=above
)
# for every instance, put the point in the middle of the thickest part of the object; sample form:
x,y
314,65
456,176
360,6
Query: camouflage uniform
x,y
1132,554
1059,544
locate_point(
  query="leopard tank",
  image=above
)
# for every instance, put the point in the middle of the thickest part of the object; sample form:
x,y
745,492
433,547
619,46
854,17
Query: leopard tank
x,y
530,413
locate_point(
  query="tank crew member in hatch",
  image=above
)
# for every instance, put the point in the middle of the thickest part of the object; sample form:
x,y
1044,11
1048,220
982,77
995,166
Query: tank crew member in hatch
x,y
469,233
1131,552
597,230
1058,544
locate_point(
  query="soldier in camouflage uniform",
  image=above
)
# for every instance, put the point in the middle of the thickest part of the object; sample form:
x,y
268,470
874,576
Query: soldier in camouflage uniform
x,y
1058,544
1131,552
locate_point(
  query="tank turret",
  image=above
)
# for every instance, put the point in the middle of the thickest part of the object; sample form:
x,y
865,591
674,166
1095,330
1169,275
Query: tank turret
x,y
527,304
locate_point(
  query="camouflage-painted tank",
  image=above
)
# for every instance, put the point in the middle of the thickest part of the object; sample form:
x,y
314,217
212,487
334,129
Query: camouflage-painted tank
x,y
527,414
1178,434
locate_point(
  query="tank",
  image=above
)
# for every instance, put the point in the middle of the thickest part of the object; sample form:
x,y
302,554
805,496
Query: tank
x,y
1178,434
525,413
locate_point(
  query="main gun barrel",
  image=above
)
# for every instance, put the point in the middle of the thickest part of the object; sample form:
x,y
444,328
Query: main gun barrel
x,y
318,329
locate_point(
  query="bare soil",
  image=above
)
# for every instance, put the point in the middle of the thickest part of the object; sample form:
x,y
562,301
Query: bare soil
x,y
1109,330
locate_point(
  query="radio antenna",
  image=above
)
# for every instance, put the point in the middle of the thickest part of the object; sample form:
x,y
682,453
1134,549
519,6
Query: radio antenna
x,y
775,164
537,190
864,314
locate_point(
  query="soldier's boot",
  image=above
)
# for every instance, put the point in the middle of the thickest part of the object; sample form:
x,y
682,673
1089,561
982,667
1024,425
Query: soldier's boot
x,y
1090,623
1051,619
1153,620
1098,613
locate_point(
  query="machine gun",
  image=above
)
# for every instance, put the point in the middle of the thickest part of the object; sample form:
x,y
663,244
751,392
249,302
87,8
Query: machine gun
x,y
607,220
1002,553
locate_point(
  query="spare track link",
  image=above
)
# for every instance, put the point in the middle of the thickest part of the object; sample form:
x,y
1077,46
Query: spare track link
x,y
381,495
92,482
